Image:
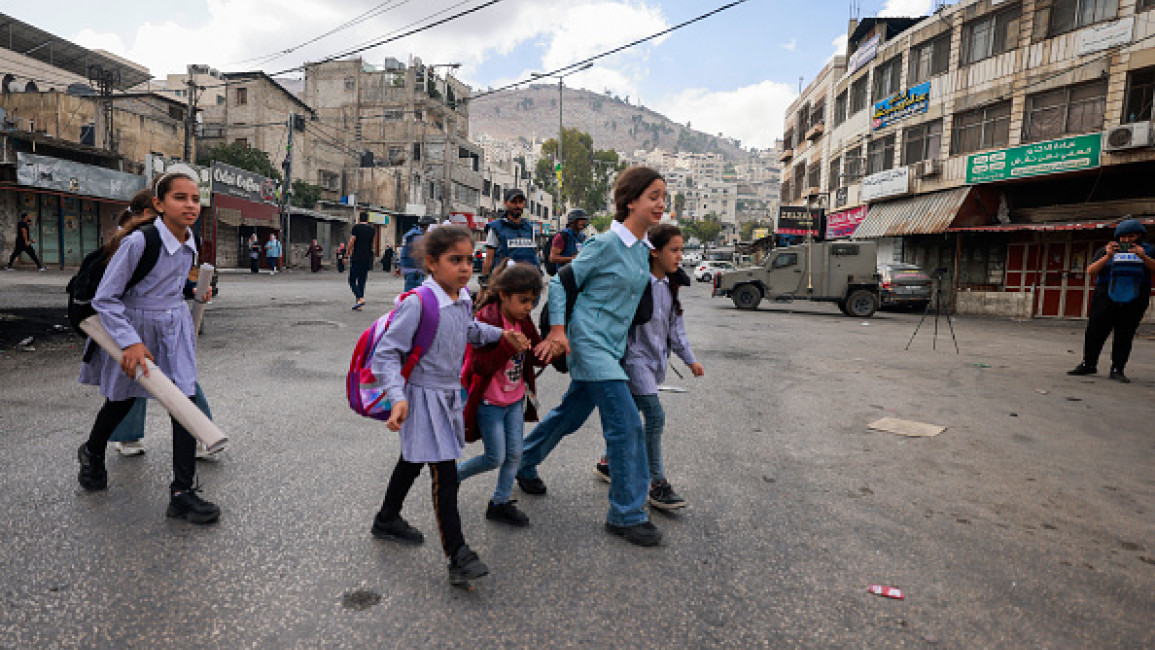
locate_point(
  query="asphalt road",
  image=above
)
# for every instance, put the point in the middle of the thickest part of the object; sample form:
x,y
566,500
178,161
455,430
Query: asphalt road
x,y
1027,523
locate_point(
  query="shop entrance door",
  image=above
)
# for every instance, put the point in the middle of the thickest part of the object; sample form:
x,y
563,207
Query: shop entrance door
x,y
1052,288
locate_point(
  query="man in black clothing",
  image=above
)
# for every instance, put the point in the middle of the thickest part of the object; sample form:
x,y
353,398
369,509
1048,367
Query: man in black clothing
x,y
360,258
387,259
24,242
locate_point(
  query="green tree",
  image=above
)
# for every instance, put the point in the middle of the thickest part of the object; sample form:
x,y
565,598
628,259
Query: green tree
x,y
708,229
601,223
606,165
239,154
577,166
305,195
679,205
544,177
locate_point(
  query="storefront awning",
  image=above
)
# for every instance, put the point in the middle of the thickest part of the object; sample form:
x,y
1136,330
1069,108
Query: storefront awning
x,y
928,214
1079,225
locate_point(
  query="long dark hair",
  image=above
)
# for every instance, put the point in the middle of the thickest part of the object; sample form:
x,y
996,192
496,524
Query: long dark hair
x,y
512,279
147,212
631,184
660,236
436,242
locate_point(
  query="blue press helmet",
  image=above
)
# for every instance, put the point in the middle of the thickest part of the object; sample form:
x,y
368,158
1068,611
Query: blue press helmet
x,y
1129,227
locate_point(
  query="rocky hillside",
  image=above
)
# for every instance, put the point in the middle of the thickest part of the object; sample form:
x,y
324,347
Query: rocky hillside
x,y
611,121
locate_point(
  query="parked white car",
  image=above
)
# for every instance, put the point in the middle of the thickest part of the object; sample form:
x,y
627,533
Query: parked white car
x,y
708,269
691,258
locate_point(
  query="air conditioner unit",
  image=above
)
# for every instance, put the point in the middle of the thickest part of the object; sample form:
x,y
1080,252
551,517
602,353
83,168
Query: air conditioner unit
x,y
1127,136
925,168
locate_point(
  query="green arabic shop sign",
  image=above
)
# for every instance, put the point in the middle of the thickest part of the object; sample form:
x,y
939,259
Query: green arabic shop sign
x,y
1051,157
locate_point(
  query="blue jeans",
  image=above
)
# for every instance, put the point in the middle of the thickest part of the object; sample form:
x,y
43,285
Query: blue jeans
x,y
501,430
622,429
413,279
131,428
272,262
358,271
655,419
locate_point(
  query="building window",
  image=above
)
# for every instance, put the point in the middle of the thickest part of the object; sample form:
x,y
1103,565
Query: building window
x,y
416,151
929,59
840,106
921,142
786,198
818,114
788,139
858,91
814,175
486,185
1075,109
992,34
834,176
880,154
393,114
1068,15
886,78
1146,4
242,96
799,179
396,155
350,83
852,167
330,180
988,127
244,142
1140,94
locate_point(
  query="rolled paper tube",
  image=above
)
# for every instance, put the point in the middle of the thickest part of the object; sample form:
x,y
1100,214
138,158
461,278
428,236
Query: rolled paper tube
x,y
204,281
162,389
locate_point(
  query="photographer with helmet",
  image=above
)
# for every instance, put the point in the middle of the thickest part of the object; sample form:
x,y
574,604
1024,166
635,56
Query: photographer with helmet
x,y
568,242
1122,293
408,265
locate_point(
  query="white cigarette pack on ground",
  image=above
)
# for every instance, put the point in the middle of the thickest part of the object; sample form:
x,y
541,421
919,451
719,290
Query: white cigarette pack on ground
x,y
163,390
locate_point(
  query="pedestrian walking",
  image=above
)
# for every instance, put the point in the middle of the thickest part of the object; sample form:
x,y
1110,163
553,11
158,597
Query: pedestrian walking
x,y
24,243
1122,271
254,254
341,256
510,236
360,258
427,410
387,258
499,378
315,251
273,252
612,271
648,350
408,260
567,243
151,321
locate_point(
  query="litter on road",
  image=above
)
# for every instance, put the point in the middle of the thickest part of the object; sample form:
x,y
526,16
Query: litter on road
x,y
906,427
672,389
889,592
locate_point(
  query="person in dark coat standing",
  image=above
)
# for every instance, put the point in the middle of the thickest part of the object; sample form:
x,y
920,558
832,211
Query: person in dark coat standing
x,y
341,258
387,259
315,251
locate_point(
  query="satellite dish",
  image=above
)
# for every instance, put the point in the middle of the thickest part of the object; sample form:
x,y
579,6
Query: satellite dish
x,y
80,90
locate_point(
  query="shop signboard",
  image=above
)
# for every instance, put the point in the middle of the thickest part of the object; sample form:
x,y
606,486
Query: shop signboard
x,y
378,218
760,233
843,224
1051,157
244,185
156,164
798,220
70,177
863,55
900,106
884,184
1105,36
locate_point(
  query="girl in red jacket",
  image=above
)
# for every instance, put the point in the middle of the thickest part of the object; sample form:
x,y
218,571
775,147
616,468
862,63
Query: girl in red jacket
x,y
500,380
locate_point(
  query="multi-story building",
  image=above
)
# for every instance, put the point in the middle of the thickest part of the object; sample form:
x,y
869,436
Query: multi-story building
x,y
997,140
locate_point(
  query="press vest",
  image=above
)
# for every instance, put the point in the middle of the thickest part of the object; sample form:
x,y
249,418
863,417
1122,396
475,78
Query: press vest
x,y
515,241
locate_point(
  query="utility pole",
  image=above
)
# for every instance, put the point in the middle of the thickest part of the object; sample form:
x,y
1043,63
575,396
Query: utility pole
x,y
560,137
287,188
190,118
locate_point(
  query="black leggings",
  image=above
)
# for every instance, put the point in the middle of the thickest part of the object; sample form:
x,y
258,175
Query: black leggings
x,y
1105,316
445,486
184,446
24,249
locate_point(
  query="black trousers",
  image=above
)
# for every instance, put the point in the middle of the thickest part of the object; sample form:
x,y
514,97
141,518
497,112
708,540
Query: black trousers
x,y
1106,316
24,249
445,486
254,265
358,273
184,446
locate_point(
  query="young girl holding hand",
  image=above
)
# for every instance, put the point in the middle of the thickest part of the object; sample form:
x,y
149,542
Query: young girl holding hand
x,y
150,321
427,410
497,377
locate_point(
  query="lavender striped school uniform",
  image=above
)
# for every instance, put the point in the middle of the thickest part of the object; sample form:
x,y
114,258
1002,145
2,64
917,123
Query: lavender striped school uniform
x,y
153,312
434,430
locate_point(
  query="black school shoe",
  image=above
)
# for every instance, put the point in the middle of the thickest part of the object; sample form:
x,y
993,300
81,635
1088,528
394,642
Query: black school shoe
x,y
188,505
1117,375
465,566
663,497
396,529
506,513
92,476
643,534
534,486
1083,369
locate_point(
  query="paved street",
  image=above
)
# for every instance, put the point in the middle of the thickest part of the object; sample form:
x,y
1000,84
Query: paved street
x,y
1027,523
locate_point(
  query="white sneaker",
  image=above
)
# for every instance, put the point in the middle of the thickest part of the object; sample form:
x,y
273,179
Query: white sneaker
x,y
132,448
44,268
204,454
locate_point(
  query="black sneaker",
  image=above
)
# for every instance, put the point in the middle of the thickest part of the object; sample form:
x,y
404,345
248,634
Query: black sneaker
x,y
602,469
534,486
506,513
643,534
662,496
465,566
92,476
188,505
1083,369
1117,375
396,529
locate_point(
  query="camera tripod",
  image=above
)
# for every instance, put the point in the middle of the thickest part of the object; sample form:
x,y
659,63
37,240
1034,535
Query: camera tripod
x,y
937,303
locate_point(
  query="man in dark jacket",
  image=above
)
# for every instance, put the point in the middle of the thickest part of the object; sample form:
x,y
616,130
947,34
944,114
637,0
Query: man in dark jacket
x,y
24,242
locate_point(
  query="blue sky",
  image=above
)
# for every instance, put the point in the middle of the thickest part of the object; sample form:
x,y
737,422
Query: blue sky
x,y
733,73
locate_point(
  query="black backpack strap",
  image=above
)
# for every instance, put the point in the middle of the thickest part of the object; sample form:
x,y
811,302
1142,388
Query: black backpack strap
x,y
645,310
569,283
148,258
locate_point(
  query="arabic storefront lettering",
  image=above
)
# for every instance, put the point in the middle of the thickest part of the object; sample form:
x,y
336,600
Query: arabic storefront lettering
x,y
901,105
1051,157
241,184
798,220
843,224
863,55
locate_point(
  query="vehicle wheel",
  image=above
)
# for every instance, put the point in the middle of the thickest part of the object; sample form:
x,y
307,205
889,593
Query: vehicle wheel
x,y
861,304
747,296
707,278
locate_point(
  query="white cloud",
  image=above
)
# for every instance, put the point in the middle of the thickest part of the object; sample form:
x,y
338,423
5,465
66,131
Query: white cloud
x,y
753,114
906,8
839,45
790,46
